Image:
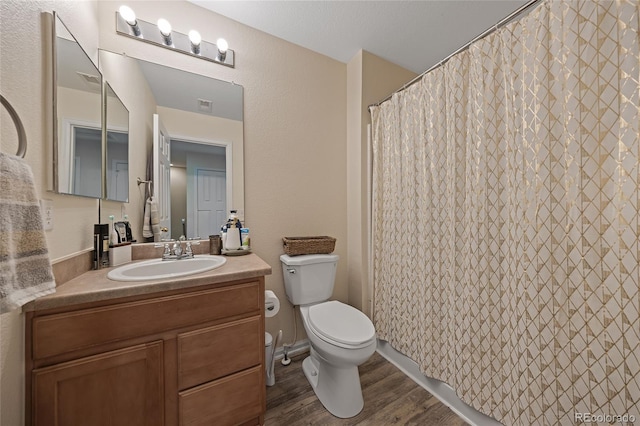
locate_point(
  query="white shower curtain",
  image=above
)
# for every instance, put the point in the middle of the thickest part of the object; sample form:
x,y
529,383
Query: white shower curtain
x,y
505,217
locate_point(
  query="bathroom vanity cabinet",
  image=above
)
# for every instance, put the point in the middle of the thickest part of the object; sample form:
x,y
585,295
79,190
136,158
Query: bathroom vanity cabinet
x,y
188,356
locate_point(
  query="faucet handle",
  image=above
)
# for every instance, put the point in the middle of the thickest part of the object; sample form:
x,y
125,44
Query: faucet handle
x,y
188,250
177,248
167,249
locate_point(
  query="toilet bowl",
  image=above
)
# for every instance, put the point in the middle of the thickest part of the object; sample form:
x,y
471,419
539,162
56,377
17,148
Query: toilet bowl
x,y
332,366
340,336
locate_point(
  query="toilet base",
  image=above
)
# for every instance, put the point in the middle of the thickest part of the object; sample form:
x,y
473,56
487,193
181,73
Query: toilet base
x,y
338,389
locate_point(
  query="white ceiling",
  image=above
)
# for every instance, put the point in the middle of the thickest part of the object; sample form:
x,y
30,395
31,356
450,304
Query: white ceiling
x,y
413,34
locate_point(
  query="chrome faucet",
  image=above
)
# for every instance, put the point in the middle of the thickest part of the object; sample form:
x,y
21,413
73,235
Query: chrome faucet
x,y
176,252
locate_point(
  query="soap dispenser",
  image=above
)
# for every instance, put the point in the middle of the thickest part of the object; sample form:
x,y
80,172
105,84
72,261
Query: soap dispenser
x,y
232,240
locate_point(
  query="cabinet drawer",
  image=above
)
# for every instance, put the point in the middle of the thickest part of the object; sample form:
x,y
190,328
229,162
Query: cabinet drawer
x,y
69,331
214,352
232,400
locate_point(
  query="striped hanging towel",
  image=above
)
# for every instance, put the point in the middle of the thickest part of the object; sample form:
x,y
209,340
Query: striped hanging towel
x,y
151,222
25,267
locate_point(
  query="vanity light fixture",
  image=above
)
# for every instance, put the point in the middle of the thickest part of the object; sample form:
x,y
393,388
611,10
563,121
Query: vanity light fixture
x,y
130,17
165,29
161,34
195,39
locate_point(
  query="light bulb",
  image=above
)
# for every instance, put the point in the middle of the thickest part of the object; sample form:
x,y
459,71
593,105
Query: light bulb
x,y
164,26
195,37
165,29
222,45
128,15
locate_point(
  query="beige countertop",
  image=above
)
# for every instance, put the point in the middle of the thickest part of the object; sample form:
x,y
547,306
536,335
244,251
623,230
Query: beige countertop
x,y
94,286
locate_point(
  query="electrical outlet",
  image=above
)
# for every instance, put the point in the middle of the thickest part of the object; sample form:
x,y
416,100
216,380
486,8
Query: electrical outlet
x,y
47,214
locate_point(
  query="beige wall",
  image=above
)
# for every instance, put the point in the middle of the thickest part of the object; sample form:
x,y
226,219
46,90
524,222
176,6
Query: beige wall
x,y
22,82
369,79
296,146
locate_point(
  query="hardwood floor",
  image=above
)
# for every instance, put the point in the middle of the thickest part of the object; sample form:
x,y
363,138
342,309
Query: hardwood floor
x,y
390,398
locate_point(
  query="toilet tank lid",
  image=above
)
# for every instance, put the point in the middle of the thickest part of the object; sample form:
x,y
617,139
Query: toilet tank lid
x,y
308,259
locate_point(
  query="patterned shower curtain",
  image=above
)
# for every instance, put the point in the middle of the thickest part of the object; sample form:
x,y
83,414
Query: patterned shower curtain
x,y
506,218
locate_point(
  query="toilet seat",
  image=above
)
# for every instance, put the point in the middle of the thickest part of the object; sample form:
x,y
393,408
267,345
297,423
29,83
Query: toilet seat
x,y
341,325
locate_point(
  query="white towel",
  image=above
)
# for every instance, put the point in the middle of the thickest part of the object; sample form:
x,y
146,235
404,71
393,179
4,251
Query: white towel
x,y
25,268
151,222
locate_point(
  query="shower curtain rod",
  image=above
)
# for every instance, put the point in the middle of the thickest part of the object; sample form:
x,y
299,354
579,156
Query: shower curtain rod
x,y
485,33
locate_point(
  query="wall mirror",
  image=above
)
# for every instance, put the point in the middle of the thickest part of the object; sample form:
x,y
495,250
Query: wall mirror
x,y
77,124
197,135
117,119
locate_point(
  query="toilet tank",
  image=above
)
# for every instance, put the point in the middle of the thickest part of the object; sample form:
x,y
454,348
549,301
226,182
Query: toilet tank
x,y
309,278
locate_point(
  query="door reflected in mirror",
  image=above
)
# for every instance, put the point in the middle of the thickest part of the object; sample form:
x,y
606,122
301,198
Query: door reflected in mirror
x,y
198,189
78,118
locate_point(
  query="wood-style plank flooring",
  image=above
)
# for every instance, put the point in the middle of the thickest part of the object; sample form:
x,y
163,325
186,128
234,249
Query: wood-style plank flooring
x,y
390,398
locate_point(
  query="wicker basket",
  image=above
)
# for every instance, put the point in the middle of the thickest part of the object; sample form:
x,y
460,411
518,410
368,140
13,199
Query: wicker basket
x,y
294,246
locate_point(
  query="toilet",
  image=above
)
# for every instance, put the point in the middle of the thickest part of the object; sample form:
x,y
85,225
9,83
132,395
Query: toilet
x,y
341,337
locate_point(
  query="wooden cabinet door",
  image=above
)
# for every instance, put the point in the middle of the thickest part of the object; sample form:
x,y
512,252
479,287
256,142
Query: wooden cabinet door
x,y
122,387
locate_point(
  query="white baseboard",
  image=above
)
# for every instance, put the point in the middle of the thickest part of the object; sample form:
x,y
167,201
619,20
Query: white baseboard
x,y
445,393
298,348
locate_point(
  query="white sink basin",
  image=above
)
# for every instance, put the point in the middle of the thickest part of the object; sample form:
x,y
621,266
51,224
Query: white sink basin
x,y
158,269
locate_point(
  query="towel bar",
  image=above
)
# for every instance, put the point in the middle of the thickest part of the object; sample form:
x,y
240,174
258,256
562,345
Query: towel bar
x,y
22,137
149,183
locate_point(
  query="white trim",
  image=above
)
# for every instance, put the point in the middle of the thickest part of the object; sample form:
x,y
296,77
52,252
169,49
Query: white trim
x,y
66,159
445,393
299,347
370,219
70,256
